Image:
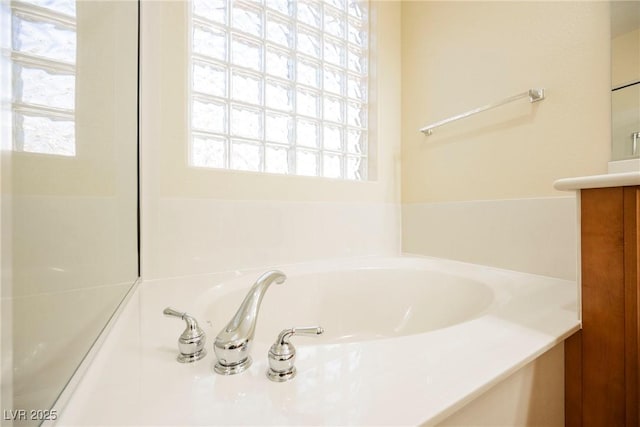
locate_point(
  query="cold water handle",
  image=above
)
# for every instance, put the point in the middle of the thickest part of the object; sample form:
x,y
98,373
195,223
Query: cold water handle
x,y
282,354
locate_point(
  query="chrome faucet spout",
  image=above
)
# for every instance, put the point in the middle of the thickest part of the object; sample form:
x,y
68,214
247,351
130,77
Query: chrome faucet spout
x,y
233,344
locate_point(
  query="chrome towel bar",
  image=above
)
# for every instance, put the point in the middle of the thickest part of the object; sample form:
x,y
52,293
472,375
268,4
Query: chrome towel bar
x,y
534,95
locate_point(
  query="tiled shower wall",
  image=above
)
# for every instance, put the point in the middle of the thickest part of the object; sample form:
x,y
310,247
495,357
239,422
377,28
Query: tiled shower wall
x,y
196,236
536,236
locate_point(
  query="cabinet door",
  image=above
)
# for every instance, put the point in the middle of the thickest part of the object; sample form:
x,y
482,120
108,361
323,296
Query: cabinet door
x,y
601,363
632,312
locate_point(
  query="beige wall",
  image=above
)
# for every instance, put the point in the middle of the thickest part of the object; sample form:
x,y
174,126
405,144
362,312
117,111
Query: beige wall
x,y
625,58
460,55
164,125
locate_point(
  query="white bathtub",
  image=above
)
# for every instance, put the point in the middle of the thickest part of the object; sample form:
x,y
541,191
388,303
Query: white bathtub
x,y
408,340
355,302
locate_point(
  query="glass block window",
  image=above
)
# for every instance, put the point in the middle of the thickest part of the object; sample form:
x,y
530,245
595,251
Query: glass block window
x,y
43,53
280,86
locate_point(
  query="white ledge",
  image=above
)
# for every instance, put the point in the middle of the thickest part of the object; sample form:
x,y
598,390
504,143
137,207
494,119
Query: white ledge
x,y
598,181
135,379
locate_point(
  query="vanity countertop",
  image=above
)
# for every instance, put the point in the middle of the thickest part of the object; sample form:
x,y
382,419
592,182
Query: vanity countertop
x,y
598,181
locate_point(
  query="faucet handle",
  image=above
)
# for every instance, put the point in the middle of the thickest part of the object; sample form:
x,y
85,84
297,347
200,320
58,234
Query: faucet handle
x,y
171,312
282,353
192,340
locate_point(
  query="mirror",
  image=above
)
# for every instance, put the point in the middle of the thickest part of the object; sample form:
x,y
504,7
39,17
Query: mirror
x,y
69,189
625,79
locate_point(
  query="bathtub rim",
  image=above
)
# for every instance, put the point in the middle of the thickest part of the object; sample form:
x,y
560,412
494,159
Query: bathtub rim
x,y
83,387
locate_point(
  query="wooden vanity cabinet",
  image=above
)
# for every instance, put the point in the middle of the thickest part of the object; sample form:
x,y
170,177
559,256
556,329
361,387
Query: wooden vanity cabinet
x,y
602,359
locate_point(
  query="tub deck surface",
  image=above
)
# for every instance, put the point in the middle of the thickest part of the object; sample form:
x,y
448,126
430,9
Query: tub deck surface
x,y
404,380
